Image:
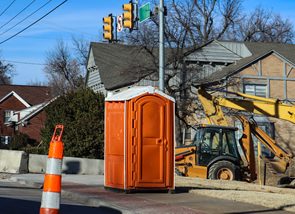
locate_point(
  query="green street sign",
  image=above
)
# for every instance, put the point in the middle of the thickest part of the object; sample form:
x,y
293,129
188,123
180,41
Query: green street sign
x,y
144,12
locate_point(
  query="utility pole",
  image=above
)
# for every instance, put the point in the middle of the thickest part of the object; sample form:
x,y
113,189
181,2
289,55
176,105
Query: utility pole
x,y
161,47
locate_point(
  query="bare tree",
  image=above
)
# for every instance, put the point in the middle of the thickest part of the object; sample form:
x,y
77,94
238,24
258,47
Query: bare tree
x,y
190,23
7,71
263,26
62,70
35,83
81,47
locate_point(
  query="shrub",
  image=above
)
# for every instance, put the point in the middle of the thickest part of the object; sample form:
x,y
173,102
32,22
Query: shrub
x,y
20,141
82,114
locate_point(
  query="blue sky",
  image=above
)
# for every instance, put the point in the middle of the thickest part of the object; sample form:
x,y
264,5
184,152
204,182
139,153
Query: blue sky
x,y
74,17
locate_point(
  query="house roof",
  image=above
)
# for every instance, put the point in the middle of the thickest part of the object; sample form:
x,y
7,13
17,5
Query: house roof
x,y
122,65
258,50
32,95
27,113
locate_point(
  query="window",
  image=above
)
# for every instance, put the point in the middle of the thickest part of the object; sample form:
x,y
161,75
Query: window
x,y
267,126
5,139
229,143
7,115
256,90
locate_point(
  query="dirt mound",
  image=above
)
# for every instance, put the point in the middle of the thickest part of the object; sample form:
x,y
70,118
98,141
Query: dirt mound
x,y
268,196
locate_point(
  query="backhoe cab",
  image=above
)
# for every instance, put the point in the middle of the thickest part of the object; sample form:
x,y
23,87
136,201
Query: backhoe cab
x,y
213,154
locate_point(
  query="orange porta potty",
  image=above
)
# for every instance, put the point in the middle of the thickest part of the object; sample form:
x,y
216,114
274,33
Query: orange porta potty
x,y
139,140
52,184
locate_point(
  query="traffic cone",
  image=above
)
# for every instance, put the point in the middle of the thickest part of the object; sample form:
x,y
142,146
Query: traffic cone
x,y
52,184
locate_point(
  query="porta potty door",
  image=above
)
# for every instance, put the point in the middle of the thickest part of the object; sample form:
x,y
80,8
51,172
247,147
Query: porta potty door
x,y
150,161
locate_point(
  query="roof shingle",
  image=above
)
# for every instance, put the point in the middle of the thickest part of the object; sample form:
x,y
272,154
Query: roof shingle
x,y
31,94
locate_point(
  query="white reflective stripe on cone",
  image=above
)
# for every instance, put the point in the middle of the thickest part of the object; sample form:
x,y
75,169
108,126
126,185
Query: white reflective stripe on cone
x,y
54,166
50,200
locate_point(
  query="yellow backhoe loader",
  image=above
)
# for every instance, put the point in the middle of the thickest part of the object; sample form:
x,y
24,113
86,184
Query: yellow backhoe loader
x,y
214,151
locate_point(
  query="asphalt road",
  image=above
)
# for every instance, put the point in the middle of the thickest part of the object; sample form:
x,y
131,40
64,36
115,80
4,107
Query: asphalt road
x,y
20,199
87,190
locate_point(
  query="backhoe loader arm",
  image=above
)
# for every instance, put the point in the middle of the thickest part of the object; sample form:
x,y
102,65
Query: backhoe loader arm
x,y
259,105
212,110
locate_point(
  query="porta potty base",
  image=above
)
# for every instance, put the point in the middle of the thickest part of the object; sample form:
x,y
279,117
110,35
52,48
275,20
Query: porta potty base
x,y
129,191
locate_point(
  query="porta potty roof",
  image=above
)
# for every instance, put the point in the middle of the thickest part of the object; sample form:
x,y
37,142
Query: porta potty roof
x,y
135,92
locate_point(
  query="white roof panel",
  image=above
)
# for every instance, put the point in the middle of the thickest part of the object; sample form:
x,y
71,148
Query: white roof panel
x,y
135,92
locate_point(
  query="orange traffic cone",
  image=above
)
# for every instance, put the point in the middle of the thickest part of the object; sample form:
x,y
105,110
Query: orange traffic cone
x,y
52,184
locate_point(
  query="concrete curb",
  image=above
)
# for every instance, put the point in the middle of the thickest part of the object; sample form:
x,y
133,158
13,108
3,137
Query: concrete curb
x,y
91,202
77,197
27,183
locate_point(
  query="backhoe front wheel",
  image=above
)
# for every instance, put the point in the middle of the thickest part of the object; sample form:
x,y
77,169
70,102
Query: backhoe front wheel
x,y
223,170
178,172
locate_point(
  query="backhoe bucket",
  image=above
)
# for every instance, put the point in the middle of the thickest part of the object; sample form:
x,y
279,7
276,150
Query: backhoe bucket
x,y
275,165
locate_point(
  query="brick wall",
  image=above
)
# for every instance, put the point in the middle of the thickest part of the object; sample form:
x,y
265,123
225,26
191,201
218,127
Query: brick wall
x,y
33,127
11,103
272,66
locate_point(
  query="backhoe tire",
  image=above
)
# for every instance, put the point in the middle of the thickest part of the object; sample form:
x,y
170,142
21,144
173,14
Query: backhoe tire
x,y
224,170
284,180
178,172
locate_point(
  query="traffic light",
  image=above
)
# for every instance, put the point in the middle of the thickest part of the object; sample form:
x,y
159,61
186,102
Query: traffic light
x,y
129,16
109,27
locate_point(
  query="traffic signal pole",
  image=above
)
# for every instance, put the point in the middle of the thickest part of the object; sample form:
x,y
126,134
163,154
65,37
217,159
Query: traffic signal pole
x,y
161,47
116,26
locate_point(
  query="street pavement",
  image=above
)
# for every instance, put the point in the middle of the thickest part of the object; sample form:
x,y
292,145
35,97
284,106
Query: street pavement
x,y
21,199
89,191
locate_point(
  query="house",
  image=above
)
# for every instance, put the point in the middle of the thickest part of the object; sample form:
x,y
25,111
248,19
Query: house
x,y
21,110
261,69
112,67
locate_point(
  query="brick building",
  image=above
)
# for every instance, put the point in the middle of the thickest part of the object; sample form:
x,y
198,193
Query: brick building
x,y
21,110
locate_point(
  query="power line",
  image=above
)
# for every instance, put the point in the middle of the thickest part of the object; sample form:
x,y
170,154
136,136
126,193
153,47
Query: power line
x,y
39,37
58,27
7,7
34,22
30,63
26,17
18,14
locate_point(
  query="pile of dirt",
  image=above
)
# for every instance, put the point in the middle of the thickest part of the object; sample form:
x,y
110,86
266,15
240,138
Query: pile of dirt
x,y
268,196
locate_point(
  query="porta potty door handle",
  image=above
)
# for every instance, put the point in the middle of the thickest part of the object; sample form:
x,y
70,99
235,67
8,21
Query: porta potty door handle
x,y
159,141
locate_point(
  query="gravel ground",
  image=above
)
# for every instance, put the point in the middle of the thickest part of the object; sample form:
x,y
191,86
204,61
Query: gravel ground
x,y
268,196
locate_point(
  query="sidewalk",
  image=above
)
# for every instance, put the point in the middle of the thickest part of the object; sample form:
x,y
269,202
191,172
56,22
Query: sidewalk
x,y
88,190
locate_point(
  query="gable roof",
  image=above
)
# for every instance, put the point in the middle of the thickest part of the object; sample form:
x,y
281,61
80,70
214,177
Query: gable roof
x,y
17,96
121,65
258,50
31,95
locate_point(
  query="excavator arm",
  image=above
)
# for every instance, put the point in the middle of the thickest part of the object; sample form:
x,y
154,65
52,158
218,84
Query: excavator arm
x,y
258,105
